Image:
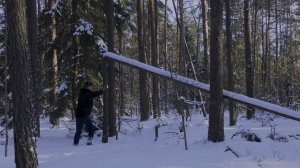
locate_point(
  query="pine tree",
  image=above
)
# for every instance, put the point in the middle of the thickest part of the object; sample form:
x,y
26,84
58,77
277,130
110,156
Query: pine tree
x,y
154,56
54,117
143,81
25,148
35,63
216,104
205,42
248,57
231,82
111,70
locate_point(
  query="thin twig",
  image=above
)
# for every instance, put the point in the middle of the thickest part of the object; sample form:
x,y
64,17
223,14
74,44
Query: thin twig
x,y
231,150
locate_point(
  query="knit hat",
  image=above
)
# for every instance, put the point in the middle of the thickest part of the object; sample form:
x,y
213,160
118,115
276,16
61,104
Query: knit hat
x,y
87,84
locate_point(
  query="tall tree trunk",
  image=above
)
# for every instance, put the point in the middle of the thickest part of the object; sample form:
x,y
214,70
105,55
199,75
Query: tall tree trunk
x,y
122,84
181,45
255,46
6,100
154,56
182,51
205,42
32,27
165,56
76,53
216,106
276,52
111,70
232,105
181,107
248,57
105,102
54,69
147,39
268,50
143,81
287,49
157,88
25,147
105,73
181,40
263,55
121,78
280,64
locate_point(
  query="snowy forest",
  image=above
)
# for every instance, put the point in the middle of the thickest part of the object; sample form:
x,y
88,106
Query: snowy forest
x,y
219,77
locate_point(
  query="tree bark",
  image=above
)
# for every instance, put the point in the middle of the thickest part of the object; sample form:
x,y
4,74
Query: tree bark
x,y
143,81
182,64
111,71
182,47
157,87
32,27
6,101
76,53
154,55
205,42
105,102
54,70
216,106
231,83
165,57
25,147
267,57
182,51
255,46
122,82
248,57
276,72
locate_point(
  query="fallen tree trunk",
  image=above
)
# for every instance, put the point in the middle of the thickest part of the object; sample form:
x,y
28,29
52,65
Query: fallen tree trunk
x,y
273,108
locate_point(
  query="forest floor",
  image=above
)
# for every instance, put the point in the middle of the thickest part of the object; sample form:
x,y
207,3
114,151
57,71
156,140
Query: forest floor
x,y
136,146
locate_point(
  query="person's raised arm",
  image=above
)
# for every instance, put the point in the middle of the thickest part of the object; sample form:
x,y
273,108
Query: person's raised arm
x,y
97,93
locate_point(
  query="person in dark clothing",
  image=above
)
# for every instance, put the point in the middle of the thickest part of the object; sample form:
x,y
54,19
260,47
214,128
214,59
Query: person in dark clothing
x,y
83,111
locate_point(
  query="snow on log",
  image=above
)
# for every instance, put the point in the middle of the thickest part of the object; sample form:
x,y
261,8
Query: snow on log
x,y
276,109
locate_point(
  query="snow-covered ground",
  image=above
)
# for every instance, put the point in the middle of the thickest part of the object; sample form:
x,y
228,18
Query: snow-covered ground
x,y
136,147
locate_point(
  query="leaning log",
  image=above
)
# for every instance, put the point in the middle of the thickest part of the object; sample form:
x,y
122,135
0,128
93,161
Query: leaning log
x,y
260,104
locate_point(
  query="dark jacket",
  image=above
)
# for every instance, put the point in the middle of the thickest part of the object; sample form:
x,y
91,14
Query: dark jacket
x,y
85,102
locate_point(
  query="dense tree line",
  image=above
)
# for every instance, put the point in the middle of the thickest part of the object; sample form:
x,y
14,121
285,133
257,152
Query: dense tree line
x,y
250,47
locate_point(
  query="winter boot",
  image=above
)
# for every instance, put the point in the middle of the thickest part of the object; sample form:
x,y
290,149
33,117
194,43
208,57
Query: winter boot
x,y
89,141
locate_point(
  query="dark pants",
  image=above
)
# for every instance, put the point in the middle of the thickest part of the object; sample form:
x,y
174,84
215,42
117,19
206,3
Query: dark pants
x,y
79,126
